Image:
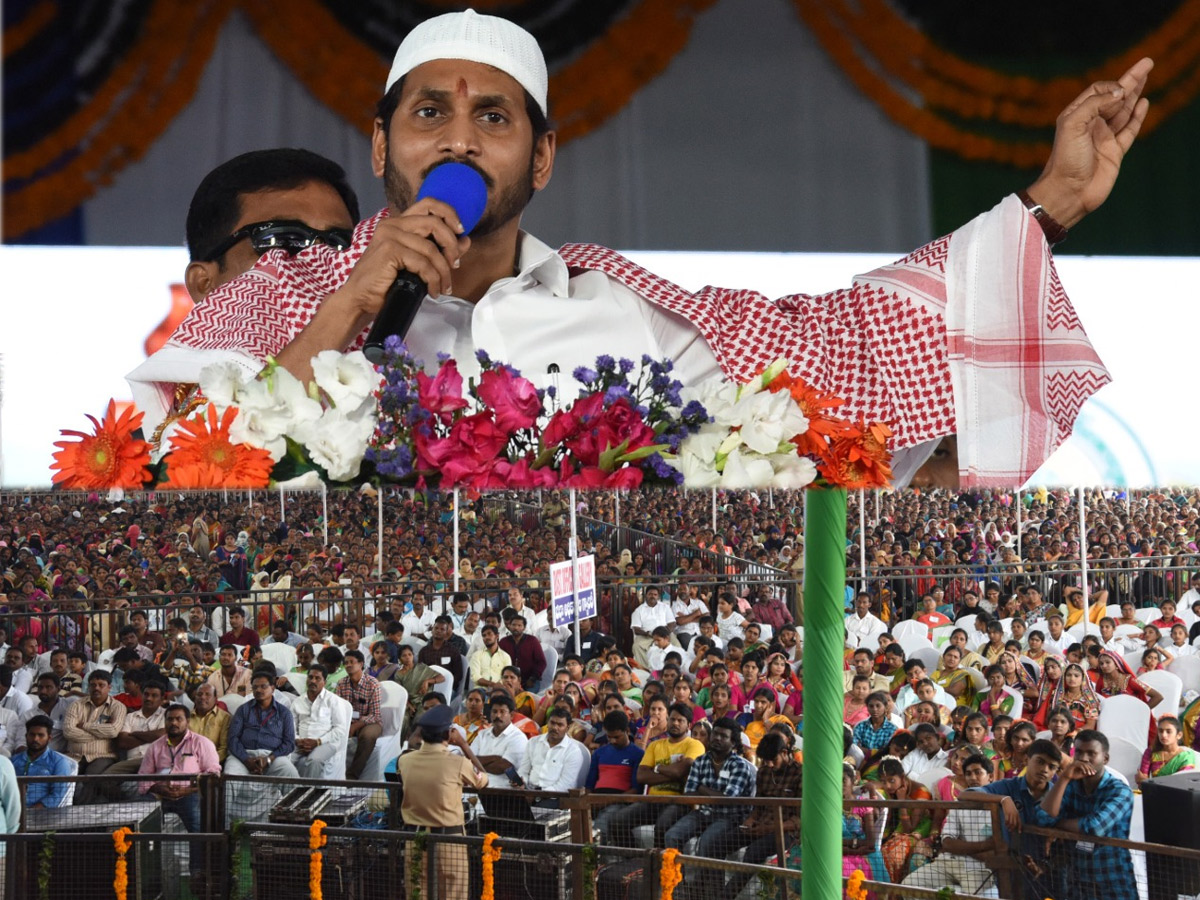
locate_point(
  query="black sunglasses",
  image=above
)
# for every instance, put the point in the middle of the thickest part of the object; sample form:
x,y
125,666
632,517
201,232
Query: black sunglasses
x,y
288,234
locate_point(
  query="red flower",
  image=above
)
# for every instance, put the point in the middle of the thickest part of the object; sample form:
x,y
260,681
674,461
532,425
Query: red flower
x,y
110,458
466,453
520,476
568,422
591,478
860,459
816,405
442,394
616,425
513,399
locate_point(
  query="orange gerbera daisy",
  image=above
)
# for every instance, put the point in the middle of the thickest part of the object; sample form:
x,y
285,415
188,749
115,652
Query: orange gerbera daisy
x,y
110,458
203,456
815,404
859,459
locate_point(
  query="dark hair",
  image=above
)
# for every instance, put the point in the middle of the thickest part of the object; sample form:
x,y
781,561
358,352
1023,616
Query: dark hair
x,y
1088,735
437,698
187,713
355,654
616,721
680,709
40,722
977,759
503,699
771,746
217,204
1043,747
559,712
890,767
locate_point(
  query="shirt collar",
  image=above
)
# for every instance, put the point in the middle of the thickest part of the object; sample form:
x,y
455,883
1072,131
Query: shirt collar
x,y
538,263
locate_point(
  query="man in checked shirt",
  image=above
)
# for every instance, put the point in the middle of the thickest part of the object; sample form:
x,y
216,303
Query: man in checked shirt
x,y
366,724
721,772
1089,800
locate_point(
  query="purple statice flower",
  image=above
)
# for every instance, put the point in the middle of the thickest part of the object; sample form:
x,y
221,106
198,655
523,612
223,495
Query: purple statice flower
x,y
625,365
584,375
606,363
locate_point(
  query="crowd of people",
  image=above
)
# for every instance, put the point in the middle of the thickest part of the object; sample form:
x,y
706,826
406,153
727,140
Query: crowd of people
x,y
133,626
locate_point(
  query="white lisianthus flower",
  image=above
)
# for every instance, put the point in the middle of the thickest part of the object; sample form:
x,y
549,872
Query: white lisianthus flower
x,y
220,382
746,471
337,444
697,458
719,399
261,428
793,471
306,482
347,378
291,398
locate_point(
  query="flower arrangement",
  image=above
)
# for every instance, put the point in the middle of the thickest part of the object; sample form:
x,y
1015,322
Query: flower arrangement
x,y
121,844
491,856
627,421
670,873
776,431
316,840
632,424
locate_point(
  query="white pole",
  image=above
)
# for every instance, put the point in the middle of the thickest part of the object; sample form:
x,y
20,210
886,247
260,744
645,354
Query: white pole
x,y
862,536
282,513
250,502
617,497
325,510
771,496
714,511
379,526
877,493
1019,504
1083,573
575,574
456,539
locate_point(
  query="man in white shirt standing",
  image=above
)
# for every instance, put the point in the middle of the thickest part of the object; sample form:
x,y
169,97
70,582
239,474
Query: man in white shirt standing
x,y
322,726
862,625
502,746
651,614
553,760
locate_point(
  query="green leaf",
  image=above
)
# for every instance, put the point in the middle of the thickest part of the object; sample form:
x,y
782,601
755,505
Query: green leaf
x,y
642,452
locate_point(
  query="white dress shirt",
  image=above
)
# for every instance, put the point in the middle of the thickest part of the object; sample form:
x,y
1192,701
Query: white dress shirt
x,y
12,733
510,744
551,768
137,721
647,617
18,702
56,714
917,763
686,608
864,628
419,626
326,719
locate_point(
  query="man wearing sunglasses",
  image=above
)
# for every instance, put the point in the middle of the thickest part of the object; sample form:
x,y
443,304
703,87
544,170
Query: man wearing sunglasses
x,y
971,334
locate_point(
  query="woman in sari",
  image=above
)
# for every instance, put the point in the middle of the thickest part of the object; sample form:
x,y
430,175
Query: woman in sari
x,y
1047,685
1075,692
1012,760
860,833
510,677
1000,700
416,678
1061,726
954,679
381,668
781,677
471,719
1016,677
906,841
1117,678
1166,756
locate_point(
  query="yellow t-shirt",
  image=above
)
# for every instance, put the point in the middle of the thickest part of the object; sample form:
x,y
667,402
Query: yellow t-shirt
x,y
663,751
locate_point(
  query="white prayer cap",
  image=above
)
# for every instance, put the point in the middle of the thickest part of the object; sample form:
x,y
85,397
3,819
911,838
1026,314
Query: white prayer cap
x,y
467,35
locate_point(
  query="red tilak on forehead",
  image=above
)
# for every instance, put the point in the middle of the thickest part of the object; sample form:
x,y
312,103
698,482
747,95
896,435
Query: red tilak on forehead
x,y
462,86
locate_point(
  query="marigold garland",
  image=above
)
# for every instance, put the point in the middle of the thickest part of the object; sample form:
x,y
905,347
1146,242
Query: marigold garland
x,y
670,873
110,457
491,856
121,844
854,886
890,60
316,840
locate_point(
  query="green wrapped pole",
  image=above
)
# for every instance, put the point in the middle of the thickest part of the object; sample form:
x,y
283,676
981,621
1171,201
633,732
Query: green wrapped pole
x,y
824,642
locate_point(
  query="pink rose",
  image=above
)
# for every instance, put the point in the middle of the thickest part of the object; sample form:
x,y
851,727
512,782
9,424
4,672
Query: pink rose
x,y
442,394
466,454
514,400
520,476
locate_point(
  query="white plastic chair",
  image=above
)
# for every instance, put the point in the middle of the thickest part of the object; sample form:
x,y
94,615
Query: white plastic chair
x,y
967,623
1170,686
912,642
929,657
1188,670
233,701
1077,631
1125,757
1127,718
298,680
69,796
283,656
1026,661
446,686
551,667
1148,614
1126,631
931,777
585,757
387,747
1006,624
395,701
941,635
1113,610
909,628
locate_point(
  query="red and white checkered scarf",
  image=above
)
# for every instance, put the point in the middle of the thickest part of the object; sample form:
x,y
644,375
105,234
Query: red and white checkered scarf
x,y
971,334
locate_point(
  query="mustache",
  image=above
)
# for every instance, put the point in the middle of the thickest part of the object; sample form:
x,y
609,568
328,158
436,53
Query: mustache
x,y
466,161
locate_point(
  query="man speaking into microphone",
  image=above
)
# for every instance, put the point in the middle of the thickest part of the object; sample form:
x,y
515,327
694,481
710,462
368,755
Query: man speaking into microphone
x,y
977,314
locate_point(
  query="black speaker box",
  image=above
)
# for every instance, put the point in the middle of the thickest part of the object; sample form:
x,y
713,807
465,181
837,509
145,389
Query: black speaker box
x,y
1171,808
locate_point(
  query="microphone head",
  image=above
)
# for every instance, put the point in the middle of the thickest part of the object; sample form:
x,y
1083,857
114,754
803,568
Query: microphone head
x,y
460,186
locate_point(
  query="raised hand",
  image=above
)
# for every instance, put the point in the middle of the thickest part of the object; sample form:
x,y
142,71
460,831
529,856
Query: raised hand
x,y
1091,138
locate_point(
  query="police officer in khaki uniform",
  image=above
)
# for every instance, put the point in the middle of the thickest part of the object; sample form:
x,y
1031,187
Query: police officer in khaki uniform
x,y
433,780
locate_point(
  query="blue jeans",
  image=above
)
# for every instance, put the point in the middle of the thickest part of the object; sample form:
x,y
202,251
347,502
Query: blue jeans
x,y
188,810
718,838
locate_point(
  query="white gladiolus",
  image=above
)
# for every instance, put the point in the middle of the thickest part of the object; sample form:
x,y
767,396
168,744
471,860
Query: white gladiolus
x,y
337,444
306,482
220,381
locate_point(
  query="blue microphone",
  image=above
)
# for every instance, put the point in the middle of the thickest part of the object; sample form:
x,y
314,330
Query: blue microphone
x,y
462,188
